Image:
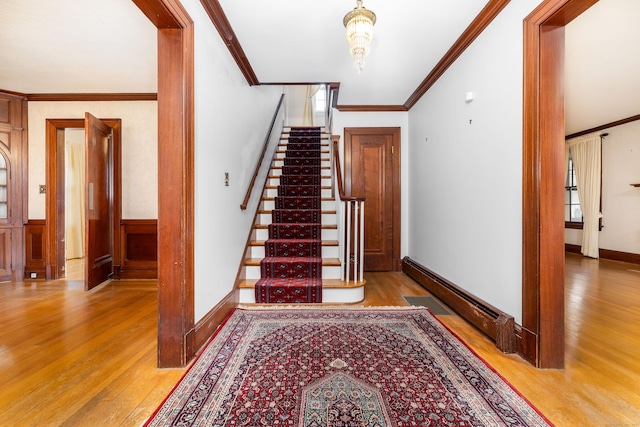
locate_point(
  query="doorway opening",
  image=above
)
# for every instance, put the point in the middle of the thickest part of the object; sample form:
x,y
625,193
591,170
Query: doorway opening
x,y
57,200
74,199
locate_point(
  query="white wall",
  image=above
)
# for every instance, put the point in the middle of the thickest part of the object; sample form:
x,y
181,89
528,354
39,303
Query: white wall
x,y
343,120
231,121
465,167
296,96
620,201
139,151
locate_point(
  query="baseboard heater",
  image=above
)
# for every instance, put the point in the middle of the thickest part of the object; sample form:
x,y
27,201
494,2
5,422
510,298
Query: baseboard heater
x,y
496,324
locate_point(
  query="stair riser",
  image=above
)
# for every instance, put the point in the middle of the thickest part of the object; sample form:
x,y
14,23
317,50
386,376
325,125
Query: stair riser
x,y
279,161
273,192
327,234
327,252
327,205
324,156
327,219
328,272
329,295
274,182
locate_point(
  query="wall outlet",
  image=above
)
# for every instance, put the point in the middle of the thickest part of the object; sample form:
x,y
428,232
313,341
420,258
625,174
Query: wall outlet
x,y
34,275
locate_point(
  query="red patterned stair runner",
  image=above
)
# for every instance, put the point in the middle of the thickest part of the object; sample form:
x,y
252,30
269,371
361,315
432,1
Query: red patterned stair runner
x,y
291,271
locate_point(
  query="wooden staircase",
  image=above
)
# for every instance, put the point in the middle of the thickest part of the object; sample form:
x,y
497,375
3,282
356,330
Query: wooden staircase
x,y
334,289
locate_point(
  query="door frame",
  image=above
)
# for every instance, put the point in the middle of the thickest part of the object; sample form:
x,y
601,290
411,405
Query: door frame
x,y
542,335
395,131
176,191
55,191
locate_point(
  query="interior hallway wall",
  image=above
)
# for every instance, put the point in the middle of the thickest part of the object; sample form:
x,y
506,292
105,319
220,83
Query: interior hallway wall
x,y
465,167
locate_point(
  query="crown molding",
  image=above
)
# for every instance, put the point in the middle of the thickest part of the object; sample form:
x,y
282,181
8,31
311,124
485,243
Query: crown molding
x,y
84,97
220,21
371,108
10,92
604,126
484,18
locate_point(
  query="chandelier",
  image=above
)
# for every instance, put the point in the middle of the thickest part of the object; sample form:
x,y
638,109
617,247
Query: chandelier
x,y
359,24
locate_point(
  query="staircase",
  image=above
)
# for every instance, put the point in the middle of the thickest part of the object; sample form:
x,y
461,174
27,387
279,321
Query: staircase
x,y
294,250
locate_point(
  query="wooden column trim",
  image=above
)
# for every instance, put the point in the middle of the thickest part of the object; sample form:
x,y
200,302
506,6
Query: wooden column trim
x,y
543,176
175,180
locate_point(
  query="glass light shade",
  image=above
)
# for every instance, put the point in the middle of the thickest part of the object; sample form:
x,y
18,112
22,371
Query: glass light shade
x,y
359,24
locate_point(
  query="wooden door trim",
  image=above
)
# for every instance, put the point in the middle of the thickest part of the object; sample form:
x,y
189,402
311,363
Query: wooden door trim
x,y
543,181
397,187
55,196
176,331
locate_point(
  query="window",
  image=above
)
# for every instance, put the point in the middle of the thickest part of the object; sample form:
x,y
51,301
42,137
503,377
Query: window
x,y
321,99
572,210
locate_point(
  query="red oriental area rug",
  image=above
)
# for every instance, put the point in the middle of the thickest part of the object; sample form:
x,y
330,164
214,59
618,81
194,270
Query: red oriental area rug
x,y
335,367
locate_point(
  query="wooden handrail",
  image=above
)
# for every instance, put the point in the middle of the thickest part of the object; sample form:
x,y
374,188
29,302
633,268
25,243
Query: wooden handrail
x,y
337,173
247,196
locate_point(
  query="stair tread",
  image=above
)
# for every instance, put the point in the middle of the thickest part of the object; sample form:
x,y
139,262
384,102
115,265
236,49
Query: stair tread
x,y
321,176
326,262
324,226
322,144
324,243
324,212
275,187
280,167
324,199
326,283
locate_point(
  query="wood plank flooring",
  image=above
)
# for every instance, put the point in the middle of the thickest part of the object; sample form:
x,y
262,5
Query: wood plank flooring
x,y
75,358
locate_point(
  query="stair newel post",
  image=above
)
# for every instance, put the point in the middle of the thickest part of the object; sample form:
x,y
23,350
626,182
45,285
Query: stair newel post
x,y
361,227
347,258
356,240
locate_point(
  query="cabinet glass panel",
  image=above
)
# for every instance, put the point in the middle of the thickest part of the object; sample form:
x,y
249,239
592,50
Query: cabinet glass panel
x,y
3,188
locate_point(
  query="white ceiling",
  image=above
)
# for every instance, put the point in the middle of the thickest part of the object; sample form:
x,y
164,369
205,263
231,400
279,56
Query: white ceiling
x,y
602,65
71,46
284,48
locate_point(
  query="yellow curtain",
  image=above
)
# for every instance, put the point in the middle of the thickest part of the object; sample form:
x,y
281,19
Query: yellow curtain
x,y
74,216
309,105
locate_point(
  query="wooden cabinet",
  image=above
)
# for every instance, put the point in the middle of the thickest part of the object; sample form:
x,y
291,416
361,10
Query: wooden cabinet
x,y
13,179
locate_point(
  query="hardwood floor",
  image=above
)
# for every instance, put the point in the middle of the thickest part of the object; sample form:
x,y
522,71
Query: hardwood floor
x,y
75,358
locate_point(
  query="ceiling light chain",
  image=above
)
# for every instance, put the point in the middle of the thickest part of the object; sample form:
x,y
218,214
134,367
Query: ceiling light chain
x,y
359,23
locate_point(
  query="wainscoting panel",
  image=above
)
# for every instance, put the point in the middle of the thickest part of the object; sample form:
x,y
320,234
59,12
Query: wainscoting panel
x,y
35,260
139,249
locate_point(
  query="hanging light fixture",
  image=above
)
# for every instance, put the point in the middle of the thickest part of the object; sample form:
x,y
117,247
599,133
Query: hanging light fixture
x,y
359,24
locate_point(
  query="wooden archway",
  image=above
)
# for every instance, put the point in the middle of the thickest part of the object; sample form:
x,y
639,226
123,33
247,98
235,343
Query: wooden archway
x,y
543,181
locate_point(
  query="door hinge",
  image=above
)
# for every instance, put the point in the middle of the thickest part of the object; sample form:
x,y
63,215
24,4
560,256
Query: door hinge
x,y
392,149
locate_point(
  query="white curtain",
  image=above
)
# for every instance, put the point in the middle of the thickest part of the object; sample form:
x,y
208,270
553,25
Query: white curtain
x,y
74,216
566,161
586,154
309,105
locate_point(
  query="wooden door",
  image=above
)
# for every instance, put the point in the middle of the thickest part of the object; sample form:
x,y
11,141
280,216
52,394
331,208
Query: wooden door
x,y
372,165
98,202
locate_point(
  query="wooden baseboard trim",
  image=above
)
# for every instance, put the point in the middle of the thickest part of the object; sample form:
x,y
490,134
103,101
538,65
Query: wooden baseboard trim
x,y
496,324
606,254
574,249
620,256
205,328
